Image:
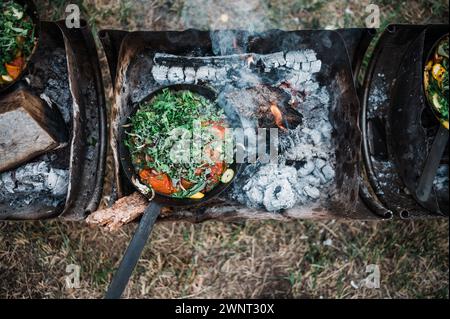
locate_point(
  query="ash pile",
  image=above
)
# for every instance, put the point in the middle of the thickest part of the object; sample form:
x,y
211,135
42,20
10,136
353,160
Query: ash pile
x,y
277,90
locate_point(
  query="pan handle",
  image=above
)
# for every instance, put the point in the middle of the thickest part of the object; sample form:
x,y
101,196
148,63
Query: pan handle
x,y
133,251
432,164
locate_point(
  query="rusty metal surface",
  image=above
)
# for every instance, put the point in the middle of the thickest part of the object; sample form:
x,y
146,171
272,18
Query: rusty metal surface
x,y
392,102
51,40
133,80
85,157
88,147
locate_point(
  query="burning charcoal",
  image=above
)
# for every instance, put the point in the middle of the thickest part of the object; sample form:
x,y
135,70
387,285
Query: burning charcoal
x,y
205,73
33,181
310,86
312,192
326,129
159,73
221,74
6,183
310,55
306,169
316,66
315,136
297,78
312,180
273,60
293,57
279,195
328,172
289,173
57,182
319,163
306,66
189,75
175,74
318,174
297,66
255,195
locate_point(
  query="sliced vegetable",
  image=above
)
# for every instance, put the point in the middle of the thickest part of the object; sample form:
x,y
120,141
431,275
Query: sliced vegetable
x,y
7,78
160,182
13,71
227,176
438,72
436,81
198,195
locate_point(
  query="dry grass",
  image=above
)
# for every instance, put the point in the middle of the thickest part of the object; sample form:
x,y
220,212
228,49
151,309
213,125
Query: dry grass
x,y
269,259
253,259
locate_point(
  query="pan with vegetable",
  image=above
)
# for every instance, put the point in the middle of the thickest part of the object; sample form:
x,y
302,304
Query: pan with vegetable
x,y
172,149
435,84
19,32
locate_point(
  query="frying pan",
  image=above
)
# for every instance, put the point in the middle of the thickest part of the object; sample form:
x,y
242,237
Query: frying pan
x,y
31,11
158,201
425,184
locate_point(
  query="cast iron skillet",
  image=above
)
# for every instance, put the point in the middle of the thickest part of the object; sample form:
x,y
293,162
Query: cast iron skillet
x,y
33,14
425,184
148,219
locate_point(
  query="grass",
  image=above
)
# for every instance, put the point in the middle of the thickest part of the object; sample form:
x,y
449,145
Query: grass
x,y
301,259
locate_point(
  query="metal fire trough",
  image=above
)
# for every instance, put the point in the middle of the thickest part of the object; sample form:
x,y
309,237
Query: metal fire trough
x,y
366,182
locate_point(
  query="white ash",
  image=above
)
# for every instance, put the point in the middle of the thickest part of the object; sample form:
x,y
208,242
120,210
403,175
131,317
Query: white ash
x,y
205,73
279,186
159,73
440,182
189,75
297,68
378,96
175,74
274,60
34,181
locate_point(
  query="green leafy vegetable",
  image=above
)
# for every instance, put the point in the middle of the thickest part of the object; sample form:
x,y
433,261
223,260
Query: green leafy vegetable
x,y
181,118
16,34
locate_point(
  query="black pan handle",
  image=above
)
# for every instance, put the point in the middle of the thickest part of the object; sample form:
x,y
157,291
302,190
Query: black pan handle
x,y
432,164
133,251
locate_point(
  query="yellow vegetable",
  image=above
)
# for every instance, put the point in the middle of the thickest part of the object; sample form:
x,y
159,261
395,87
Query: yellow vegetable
x,y
198,195
7,78
438,72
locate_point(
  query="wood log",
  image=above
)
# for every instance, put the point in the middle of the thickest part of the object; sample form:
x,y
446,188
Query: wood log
x,y
130,208
122,212
28,128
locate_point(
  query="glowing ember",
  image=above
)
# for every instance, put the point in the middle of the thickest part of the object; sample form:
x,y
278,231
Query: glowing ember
x,y
277,115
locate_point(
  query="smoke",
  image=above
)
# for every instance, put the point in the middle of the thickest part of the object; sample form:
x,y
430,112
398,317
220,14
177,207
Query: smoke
x,y
248,15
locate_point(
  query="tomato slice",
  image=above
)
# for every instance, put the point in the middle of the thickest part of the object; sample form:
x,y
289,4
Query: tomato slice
x,y
186,184
160,182
18,61
12,70
217,127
